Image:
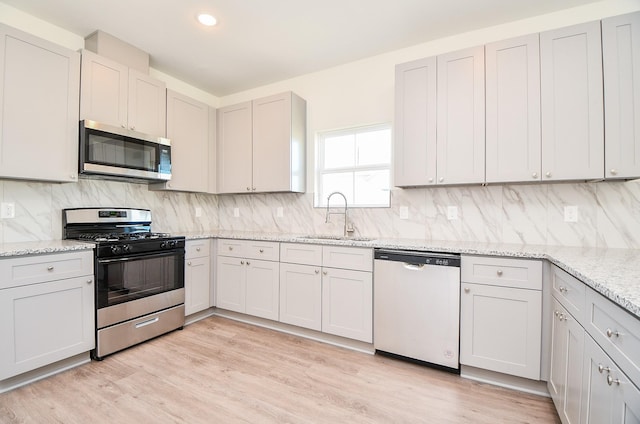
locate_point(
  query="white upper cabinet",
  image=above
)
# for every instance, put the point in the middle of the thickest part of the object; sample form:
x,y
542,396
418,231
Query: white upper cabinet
x,y
415,126
234,161
188,130
39,93
513,145
572,103
621,60
460,117
114,94
261,145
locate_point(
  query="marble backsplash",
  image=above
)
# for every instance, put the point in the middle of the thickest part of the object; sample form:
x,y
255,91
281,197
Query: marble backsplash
x,y
608,212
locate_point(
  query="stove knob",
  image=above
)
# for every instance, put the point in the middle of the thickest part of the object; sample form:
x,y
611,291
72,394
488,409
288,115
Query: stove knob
x,y
164,245
173,243
126,248
116,249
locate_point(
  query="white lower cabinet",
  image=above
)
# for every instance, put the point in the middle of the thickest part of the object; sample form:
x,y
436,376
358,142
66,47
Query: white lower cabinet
x,y
501,315
197,276
328,289
245,284
347,303
46,319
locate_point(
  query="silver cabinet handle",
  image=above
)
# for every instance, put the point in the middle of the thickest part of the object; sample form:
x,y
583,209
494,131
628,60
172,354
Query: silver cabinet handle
x,y
50,268
324,272
241,262
602,368
248,263
89,281
230,247
197,249
133,128
611,333
441,179
253,189
261,250
467,289
563,289
614,172
431,180
548,174
611,381
189,263
499,273
248,188
534,175
556,313
123,125
317,271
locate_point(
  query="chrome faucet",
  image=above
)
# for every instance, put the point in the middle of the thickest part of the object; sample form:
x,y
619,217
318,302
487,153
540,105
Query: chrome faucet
x,y
348,229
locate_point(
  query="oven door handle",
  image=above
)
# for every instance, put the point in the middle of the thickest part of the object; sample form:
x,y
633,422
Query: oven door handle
x,y
143,256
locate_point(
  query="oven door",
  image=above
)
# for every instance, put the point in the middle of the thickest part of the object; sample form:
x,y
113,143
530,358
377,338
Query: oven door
x,y
125,279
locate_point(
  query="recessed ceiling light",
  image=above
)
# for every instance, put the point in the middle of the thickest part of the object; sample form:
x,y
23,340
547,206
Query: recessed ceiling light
x,y
206,19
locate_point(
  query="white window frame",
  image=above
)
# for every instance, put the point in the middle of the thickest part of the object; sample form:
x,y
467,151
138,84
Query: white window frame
x,y
320,171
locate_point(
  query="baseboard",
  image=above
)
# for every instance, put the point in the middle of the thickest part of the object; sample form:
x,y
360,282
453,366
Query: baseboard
x,y
504,380
190,319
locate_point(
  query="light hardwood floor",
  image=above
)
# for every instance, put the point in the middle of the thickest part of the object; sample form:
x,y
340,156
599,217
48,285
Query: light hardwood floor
x,y
221,371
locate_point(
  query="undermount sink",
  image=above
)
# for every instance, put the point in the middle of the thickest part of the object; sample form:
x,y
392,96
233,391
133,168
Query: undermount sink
x,y
330,237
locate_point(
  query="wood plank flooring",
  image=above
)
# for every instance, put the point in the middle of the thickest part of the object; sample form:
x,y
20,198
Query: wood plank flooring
x,y
222,371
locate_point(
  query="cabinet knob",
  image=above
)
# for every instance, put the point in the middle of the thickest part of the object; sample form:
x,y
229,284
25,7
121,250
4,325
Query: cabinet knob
x,y
324,272
441,179
253,189
499,272
611,333
197,249
467,289
50,268
189,263
89,281
548,174
611,381
248,188
123,125
241,262
556,313
534,175
317,271
248,263
133,128
261,250
614,172
563,289
602,368
431,180
72,177
230,247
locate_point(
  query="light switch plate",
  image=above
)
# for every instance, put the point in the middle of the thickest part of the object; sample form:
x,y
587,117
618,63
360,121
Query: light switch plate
x,y
404,212
570,214
452,212
236,212
7,210
198,212
279,212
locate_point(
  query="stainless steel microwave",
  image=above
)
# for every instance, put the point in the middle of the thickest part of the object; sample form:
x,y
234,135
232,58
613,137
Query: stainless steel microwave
x,y
116,152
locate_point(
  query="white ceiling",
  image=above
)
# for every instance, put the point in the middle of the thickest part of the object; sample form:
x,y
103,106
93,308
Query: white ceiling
x,y
257,42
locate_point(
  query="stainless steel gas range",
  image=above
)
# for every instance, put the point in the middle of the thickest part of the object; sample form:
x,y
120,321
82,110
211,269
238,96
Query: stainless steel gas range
x,y
139,275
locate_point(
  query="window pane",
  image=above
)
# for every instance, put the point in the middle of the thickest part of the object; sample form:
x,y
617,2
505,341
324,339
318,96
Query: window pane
x,y
339,151
342,182
372,187
374,147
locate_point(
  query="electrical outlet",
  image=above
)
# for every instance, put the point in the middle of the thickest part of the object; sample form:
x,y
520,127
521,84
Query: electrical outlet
x,y
7,210
452,212
404,212
198,212
570,214
279,212
236,212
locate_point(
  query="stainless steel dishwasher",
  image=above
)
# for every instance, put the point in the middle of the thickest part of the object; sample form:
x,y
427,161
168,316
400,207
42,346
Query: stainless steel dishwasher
x,y
417,306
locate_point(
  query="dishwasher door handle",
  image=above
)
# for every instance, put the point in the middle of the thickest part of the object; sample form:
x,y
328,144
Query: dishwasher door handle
x,y
413,267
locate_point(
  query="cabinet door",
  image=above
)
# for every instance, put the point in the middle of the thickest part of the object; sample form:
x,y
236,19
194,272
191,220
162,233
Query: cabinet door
x,y
513,110
500,329
197,285
147,104
104,88
188,130
234,160
272,143
263,289
347,303
44,323
621,63
38,108
598,395
415,137
301,295
460,120
230,283
571,98
565,374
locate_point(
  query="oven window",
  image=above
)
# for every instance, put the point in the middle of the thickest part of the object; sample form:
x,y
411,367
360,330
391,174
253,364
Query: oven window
x,y
122,152
134,278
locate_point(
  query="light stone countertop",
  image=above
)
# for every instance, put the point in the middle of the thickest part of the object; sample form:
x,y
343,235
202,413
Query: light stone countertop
x,y
614,273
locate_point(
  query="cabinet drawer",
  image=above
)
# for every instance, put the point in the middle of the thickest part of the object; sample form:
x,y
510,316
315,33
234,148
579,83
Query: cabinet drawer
x,y
617,331
503,272
569,291
197,248
20,271
265,250
297,253
234,248
356,258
